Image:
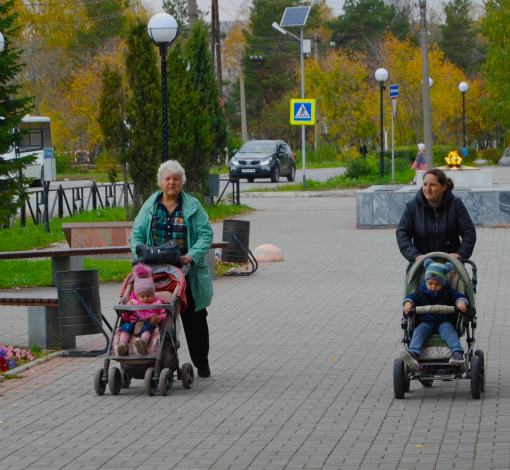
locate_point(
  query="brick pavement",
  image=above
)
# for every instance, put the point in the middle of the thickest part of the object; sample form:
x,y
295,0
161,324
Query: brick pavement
x,y
301,355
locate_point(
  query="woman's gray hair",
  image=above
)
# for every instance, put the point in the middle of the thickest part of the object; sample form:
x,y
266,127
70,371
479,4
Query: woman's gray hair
x,y
171,166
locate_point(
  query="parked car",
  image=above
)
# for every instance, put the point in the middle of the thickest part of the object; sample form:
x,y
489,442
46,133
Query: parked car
x,y
263,159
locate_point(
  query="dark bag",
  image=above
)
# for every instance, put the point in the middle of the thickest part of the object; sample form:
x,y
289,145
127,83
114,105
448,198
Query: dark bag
x,y
168,253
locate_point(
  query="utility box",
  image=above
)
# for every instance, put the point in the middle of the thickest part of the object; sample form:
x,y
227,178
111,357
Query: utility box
x,y
214,185
50,169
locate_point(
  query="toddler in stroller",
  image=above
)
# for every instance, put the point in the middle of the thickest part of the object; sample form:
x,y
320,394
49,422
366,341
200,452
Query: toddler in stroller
x,y
440,355
155,361
434,290
144,293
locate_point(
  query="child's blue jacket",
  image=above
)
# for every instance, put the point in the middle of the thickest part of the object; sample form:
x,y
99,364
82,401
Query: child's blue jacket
x,y
446,296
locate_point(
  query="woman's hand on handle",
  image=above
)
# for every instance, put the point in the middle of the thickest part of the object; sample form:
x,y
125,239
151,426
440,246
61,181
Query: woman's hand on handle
x,y
186,260
456,255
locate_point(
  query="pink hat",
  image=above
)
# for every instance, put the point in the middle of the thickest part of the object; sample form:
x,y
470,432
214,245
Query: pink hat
x,y
143,279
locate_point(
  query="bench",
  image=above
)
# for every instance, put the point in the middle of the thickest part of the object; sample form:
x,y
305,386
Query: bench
x,y
43,316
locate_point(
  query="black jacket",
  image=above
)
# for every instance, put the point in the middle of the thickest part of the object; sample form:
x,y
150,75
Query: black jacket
x,y
423,228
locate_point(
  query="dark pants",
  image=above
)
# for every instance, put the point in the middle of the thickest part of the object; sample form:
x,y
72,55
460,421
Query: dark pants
x,y
196,331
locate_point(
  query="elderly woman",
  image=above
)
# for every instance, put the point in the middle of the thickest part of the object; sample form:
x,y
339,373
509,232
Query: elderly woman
x,y
436,220
420,163
172,214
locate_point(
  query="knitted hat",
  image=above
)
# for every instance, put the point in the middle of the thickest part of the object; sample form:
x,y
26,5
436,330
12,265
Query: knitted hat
x,y
437,271
143,279
421,146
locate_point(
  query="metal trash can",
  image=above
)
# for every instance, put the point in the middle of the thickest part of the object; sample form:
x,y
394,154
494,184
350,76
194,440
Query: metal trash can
x,y
214,184
74,319
234,253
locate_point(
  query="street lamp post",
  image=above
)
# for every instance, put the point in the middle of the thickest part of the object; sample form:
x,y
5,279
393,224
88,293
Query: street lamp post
x,y
162,29
300,39
381,75
463,88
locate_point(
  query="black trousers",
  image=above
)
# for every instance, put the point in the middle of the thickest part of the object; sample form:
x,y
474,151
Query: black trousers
x,y
196,331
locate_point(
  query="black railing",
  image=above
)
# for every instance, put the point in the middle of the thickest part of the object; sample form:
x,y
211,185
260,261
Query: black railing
x,y
72,199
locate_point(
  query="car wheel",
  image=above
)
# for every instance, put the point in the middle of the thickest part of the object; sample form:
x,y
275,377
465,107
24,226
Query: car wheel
x,y
292,176
250,179
275,174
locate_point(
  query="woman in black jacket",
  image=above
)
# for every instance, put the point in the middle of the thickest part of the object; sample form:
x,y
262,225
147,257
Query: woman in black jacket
x,y
436,220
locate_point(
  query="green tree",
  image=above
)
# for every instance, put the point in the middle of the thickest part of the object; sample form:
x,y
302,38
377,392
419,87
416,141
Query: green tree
x,y
12,109
144,112
364,22
178,9
495,28
458,34
269,79
205,82
112,120
191,128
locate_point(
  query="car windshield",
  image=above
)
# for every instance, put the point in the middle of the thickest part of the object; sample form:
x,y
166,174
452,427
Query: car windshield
x,y
258,147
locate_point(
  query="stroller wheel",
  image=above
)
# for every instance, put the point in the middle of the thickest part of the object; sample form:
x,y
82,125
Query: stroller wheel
x,y
476,377
187,375
166,381
479,353
125,379
114,380
400,379
150,384
99,383
426,383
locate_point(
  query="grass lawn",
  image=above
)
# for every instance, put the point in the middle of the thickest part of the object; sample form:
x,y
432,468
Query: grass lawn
x,y
342,182
26,273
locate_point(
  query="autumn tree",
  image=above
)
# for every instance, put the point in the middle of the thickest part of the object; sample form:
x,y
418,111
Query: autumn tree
x,y
144,112
12,109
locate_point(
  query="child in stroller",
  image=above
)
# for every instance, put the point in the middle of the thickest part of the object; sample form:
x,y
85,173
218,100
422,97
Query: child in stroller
x,y
156,367
144,293
435,355
434,290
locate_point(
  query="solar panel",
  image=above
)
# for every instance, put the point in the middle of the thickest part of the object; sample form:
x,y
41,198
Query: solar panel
x,y
295,16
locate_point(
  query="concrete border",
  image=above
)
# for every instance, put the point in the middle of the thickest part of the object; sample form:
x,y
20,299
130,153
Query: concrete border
x,y
332,193
31,364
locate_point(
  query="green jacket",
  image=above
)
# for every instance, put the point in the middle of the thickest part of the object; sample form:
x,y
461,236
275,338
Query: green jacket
x,y
200,237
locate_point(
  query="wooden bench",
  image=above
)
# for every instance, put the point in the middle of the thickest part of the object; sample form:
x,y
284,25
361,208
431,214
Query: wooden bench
x,y
43,316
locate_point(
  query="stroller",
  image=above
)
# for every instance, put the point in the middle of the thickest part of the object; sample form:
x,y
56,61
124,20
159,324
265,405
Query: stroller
x,y
158,366
435,354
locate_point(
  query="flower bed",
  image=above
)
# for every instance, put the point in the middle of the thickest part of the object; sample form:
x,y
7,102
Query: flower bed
x,y
12,357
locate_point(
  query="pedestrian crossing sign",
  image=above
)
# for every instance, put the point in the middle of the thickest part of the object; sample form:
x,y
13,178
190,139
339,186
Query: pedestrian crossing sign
x,y
302,112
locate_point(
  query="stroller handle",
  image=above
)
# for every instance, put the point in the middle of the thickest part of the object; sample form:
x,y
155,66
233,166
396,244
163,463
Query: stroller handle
x,y
434,309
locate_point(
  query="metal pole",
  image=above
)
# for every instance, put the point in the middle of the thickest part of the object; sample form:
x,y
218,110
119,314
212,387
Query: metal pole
x,y
392,145
427,113
192,12
464,117
303,134
381,162
244,128
164,101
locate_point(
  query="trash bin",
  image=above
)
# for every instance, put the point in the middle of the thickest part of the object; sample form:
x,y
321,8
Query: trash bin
x,y
214,185
74,319
234,253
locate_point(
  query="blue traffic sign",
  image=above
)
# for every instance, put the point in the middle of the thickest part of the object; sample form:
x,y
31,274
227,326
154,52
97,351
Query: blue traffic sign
x,y
394,91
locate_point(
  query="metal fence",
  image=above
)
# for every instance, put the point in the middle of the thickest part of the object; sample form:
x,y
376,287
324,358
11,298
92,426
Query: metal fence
x,y
72,199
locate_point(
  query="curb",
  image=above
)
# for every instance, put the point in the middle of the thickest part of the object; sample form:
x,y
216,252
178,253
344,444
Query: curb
x,y
31,364
334,193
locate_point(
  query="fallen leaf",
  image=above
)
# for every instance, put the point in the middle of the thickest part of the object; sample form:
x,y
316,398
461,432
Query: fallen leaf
x,y
1,422
32,371
14,406
249,319
333,358
421,446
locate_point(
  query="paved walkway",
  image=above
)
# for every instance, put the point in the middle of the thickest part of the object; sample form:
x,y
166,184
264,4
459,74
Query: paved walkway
x,y
302,356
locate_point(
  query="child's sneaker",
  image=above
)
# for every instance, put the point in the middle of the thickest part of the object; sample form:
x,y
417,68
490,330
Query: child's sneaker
x,y
140,344
122,349
410,358
457,359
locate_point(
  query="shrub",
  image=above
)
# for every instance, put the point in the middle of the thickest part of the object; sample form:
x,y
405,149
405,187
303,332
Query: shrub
x,y
491,155
362,167
63,162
